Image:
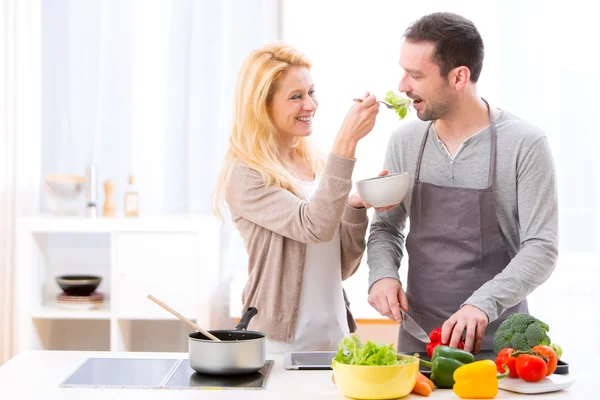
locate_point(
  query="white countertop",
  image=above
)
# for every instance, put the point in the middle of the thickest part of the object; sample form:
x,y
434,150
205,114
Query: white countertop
x,y
37,375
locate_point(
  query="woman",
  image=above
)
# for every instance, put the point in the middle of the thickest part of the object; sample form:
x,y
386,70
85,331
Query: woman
x,y
303,234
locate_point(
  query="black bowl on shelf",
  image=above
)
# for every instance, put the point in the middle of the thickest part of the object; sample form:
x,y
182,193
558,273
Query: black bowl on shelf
x,y
78,285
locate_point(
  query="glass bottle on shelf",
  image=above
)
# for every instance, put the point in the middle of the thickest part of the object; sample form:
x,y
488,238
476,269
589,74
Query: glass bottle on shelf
x,y
131,200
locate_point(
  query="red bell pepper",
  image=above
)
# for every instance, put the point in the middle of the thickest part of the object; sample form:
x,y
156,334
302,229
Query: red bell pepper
x,y
436,335
436,340
430,347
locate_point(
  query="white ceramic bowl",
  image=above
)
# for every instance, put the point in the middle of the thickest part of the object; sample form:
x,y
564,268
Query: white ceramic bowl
x,y
64,194
383,191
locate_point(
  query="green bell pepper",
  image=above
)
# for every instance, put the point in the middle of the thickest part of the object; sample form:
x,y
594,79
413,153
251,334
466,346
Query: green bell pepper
x,y
444,361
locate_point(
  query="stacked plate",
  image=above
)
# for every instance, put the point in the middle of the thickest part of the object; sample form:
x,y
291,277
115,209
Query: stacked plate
x,y
94,300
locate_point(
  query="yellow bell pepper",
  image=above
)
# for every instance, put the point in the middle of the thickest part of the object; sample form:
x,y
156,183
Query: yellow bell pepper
x,y
478,380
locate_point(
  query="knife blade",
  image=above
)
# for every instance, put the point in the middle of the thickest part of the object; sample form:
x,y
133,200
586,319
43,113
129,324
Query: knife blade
x,y
413,328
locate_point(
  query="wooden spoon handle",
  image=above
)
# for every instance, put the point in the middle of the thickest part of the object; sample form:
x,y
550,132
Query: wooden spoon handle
x,y
184,319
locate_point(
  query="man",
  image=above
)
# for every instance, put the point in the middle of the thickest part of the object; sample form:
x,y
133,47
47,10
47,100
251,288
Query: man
x,y
482,203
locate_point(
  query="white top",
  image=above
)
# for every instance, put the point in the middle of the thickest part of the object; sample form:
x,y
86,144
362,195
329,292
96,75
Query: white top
x,y
38,374
322,320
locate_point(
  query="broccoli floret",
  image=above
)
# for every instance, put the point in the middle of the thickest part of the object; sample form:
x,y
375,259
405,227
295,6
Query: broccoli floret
x,y
536,334
519,341
521,332
520,322
501,337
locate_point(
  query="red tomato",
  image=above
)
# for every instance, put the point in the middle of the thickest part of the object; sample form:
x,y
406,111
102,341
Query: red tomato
x,y
461,345
436,335
504,358
531,368
548,352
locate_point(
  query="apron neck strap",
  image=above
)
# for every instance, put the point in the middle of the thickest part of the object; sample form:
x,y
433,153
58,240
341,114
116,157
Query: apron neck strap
x,y
421,151
492,167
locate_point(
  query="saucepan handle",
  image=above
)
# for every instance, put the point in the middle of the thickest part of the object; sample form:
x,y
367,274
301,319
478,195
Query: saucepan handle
x,y
243,324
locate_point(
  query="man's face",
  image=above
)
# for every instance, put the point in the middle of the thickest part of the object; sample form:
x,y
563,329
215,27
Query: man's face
x,y
422,82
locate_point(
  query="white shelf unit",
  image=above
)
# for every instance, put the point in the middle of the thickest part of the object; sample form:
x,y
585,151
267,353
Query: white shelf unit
x,y
56,312
176,259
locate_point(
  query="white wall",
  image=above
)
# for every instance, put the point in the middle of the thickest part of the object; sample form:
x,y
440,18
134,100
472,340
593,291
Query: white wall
x,y
540,64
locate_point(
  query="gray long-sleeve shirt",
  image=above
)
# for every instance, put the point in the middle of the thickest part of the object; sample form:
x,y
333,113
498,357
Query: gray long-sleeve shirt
x,y
525,199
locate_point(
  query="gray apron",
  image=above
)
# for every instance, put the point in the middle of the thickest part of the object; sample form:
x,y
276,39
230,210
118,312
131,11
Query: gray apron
x,y
454,247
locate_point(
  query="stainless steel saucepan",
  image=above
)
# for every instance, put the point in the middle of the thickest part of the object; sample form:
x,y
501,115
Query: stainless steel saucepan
x,y
239,351
224,352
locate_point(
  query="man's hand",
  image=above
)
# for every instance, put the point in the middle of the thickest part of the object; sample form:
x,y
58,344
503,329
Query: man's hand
x,y
387,296
469,318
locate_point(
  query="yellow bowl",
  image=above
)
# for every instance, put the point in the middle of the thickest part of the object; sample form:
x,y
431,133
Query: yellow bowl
x,y
377,382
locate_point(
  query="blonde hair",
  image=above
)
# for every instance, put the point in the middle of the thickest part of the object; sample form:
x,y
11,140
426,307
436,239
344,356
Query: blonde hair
x,y
253,138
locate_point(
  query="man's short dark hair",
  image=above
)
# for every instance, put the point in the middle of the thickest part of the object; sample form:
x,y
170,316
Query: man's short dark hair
x,y
456,39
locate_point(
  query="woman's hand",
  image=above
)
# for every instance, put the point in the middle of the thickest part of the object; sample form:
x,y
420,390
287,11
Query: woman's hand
x,y
359,121
355,201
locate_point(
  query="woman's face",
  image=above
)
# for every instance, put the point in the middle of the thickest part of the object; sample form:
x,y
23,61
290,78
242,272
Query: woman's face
x,y
294,104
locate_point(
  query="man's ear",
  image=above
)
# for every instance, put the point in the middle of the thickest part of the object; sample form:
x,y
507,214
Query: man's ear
x,y
459,78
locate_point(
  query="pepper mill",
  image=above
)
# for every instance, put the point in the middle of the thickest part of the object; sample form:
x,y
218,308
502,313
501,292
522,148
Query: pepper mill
x,y
109,202
91,191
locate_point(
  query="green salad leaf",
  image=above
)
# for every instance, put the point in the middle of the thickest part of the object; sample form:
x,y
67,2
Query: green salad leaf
x,y
402,104
352,351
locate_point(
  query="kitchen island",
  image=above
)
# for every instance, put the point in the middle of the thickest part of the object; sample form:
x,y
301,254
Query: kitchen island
x,y
38,374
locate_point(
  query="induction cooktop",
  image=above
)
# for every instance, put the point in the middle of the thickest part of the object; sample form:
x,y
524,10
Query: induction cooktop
x,y
148,373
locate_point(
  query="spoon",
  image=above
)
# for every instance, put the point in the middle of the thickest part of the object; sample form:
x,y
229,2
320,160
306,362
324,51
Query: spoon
x,y
184,319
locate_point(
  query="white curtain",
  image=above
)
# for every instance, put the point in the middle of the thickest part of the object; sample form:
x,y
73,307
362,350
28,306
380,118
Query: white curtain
x,y
19,141
146,87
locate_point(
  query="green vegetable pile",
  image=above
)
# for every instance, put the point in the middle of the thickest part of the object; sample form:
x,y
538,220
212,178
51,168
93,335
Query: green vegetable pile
x,y
351,351
522,332
402,104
